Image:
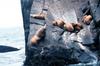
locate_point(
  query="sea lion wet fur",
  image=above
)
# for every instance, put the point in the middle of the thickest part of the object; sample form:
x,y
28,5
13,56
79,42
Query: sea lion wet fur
x,y
77,26
38,35
69,27
87,19
58,22
39,16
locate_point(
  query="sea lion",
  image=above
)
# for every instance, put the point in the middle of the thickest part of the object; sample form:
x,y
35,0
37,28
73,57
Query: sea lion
x,y
69,27
35,39
87,19
58,22
40,16
77,26
73,27
38,35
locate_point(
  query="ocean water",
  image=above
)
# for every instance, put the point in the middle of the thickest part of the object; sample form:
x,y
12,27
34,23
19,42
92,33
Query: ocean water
x,y
12,37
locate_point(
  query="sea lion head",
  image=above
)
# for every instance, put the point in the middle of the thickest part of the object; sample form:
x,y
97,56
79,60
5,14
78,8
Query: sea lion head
x,y
54,23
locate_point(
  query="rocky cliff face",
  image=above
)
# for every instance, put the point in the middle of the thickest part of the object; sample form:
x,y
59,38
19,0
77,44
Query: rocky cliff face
x,y
60,47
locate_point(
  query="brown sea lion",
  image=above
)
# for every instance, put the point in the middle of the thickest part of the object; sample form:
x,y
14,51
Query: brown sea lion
x,y
73,27
77,26
58,22
35,39
38,35
40,16
69,27
87,19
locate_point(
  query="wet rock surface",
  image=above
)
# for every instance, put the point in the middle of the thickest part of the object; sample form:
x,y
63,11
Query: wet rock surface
x,y
54,55
59,47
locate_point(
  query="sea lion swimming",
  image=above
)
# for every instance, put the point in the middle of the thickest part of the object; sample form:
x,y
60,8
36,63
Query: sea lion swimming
x,y
58,22
38,35
40,16
87,19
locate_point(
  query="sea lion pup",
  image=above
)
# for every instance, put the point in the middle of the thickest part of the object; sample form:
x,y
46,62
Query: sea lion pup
x,y
69,27
40,33
87,19
58,22
40,16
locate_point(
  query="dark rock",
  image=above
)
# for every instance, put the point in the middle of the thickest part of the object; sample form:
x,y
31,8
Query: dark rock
x,y
97,16
7,49
26,9
54,55
95,9
57,48
37,21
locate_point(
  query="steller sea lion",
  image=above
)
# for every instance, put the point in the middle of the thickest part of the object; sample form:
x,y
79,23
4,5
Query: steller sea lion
x,y
40,33
40,16
58,22
77,26
87,19
73,27
69,27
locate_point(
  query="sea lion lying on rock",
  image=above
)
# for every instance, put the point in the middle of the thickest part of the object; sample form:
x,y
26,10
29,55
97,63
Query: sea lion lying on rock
x,y
73,27
58,22
40,16
69,27
40,33
87,19
77,27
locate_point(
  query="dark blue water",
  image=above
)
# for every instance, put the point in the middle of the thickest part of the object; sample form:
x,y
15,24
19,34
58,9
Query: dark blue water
x,y
12,37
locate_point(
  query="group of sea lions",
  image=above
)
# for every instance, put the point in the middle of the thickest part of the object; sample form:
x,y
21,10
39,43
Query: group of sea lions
x,y
70,27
